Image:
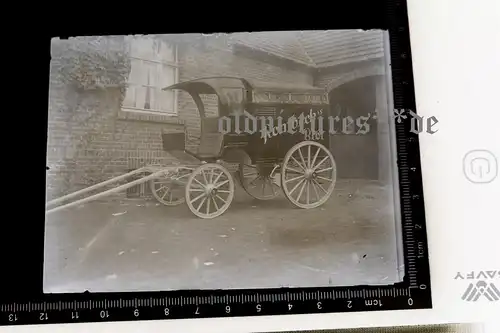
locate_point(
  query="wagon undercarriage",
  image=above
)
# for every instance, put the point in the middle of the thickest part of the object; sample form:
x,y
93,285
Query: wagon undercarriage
x,y
306,177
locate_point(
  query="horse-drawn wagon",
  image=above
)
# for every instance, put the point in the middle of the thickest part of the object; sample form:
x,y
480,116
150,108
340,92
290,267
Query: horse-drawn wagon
x,y
276,135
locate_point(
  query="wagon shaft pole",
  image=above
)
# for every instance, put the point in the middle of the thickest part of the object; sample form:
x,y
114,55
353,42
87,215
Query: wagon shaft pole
x,y
95,187
108,192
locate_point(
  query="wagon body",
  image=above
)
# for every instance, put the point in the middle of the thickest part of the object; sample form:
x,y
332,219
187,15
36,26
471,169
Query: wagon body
x,y
263,120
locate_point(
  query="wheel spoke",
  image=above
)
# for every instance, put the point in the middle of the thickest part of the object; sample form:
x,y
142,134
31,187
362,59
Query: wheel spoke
x,y
301,190
296,186
327,179
204,177
292,179
220,184
216,179
253,180
324,159
196,180
198,198
315,190
221,199
323,170
295,170
201,203
319,185
215,203
307,191
315,156
309,156
298,163
302,158
208,206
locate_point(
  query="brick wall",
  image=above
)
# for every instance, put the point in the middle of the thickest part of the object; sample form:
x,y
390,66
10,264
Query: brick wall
x,y
90,140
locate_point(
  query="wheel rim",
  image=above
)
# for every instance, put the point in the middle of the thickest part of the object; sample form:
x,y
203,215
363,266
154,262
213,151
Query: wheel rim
x,y
308,174
256,180
166,192
209,190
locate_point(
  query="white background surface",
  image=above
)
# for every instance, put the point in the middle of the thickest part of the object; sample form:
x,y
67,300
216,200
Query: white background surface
x,y
456,55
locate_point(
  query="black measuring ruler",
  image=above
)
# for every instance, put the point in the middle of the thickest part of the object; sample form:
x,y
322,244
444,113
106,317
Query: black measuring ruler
x,y
205,304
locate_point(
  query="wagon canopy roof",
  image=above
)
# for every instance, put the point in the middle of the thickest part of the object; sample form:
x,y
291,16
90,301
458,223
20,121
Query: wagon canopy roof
x,y
210,85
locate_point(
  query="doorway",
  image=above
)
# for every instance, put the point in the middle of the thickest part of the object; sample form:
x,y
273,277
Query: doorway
x,y
356,154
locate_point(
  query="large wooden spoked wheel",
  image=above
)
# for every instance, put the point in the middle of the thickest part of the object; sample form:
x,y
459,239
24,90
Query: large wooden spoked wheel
x,y
258,181
209,190
167,192
308,174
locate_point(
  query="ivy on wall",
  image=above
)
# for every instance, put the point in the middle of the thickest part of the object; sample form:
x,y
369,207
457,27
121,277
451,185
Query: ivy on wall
x,y
88,62
89,76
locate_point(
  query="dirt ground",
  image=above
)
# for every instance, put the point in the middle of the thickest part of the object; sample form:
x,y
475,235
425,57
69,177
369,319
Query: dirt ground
x,y
139,245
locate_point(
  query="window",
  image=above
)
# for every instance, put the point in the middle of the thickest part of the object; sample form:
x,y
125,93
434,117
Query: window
x,y
153,67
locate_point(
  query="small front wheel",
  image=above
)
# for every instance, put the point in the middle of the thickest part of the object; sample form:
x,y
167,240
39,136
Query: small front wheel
x,y
209,190
167,192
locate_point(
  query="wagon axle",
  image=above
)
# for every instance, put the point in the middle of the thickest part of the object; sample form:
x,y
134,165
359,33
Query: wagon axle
x,y
310,174
211,190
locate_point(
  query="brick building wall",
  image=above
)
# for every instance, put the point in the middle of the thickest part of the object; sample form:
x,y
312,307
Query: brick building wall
x,y
91,140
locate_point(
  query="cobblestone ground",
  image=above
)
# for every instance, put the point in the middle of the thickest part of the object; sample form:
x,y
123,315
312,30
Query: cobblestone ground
x,y
130,245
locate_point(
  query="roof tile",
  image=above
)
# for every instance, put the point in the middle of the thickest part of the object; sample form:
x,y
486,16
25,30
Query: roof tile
x,y
316,48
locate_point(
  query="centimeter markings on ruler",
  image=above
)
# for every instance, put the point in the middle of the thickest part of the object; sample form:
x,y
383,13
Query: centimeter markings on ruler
x,y
204,300
410,241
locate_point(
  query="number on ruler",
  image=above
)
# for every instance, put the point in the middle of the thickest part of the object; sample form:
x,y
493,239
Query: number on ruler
x,y
166,311
228,309
418,226
349,304
75,315
319,305
12,317
43,316
422,287
410,301
290,306
104,314
258,307
136,313
197,310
